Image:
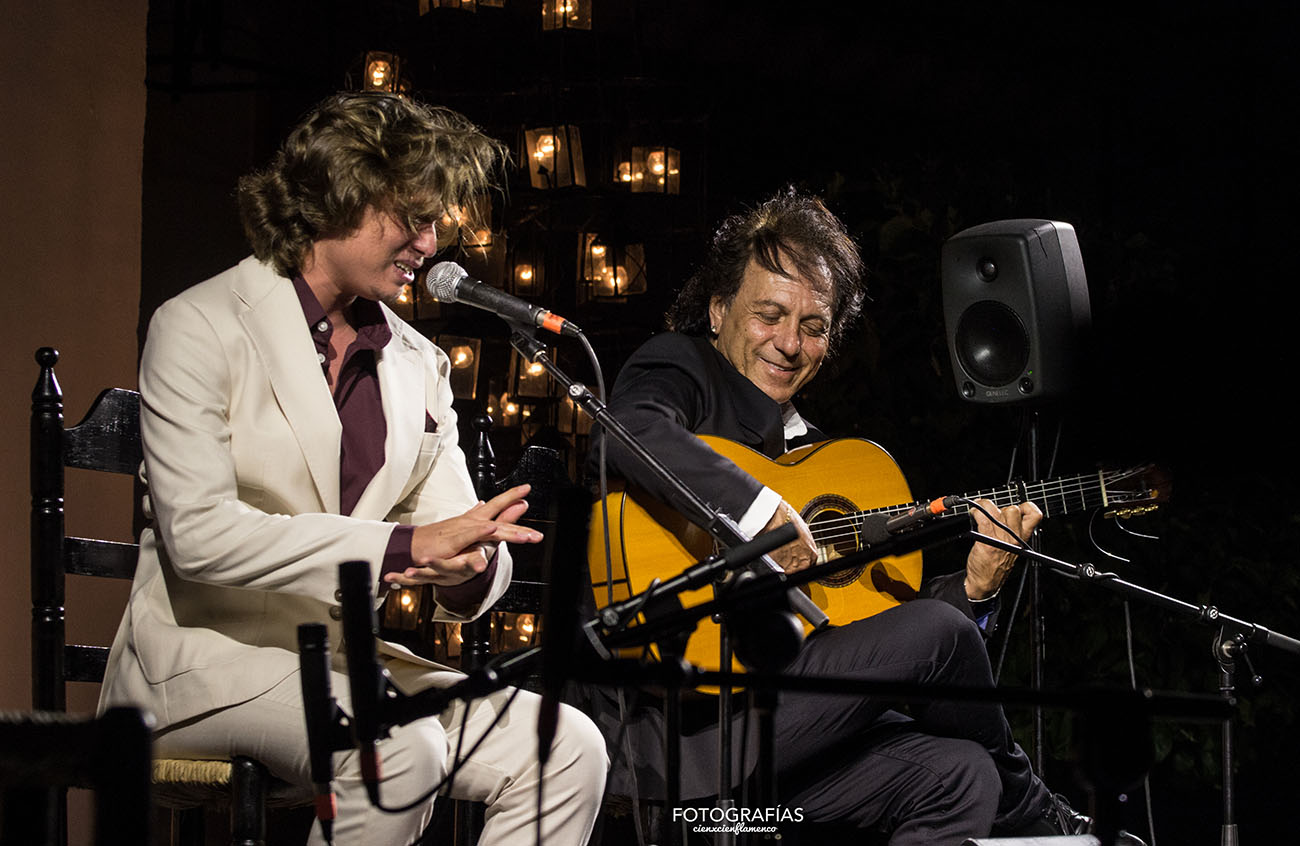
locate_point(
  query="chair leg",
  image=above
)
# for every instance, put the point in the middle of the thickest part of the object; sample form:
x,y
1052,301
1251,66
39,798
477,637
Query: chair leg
x,y
248,784
33,815
189,826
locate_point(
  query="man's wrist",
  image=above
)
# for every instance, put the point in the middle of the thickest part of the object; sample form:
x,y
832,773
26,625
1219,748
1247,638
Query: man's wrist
x,y
988,597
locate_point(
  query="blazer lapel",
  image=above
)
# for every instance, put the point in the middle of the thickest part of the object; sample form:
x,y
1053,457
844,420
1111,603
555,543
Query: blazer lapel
x,y
277,328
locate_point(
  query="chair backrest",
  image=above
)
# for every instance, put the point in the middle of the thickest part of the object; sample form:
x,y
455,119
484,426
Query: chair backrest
x,y
107,439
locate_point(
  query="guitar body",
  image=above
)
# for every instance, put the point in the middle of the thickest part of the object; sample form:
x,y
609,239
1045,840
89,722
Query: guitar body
x,y
825,481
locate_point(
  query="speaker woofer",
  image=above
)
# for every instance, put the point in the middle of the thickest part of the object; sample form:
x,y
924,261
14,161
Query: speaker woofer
x,y
992,343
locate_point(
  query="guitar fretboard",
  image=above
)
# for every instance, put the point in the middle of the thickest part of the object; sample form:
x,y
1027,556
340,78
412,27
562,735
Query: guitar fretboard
x,y
1055,497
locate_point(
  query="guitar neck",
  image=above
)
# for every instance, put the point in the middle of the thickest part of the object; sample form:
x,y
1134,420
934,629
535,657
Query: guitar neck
x,y
1055,497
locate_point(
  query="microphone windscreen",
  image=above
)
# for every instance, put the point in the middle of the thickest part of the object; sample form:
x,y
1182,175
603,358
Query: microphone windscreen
x,y
442,279
873,529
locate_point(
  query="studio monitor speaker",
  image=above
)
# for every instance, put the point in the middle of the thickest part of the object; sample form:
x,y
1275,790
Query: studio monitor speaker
x,y
1015,305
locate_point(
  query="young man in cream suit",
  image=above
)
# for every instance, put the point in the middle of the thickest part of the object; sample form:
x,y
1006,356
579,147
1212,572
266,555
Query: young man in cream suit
x,y
291,422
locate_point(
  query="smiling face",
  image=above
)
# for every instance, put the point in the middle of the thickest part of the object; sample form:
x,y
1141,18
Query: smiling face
x,y
372,262
775,331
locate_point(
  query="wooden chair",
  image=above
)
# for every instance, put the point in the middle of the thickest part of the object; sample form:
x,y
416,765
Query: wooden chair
x,y
42,750
108,439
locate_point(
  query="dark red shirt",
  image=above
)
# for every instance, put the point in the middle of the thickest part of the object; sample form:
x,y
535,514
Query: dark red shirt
x,y
361,414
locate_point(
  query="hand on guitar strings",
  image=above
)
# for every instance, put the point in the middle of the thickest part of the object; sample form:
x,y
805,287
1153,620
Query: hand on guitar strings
x,y
802,552
987,567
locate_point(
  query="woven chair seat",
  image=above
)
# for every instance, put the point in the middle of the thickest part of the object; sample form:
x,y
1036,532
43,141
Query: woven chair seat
x,y
188,783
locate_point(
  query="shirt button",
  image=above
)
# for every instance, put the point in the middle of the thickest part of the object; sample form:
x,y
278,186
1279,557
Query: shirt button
x,y
322,326
336,612
320,357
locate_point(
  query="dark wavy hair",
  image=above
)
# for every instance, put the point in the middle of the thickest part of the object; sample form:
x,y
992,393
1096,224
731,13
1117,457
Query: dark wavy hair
x,y
355,150
791,226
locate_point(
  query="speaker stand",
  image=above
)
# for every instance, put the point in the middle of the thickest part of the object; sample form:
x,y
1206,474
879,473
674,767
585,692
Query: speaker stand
x,y
1037,626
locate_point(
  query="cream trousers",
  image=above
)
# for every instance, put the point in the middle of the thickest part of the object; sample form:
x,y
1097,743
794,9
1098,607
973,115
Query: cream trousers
x,y
503,772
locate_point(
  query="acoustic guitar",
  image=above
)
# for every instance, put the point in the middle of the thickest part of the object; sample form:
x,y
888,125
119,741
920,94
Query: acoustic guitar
x,y
834,485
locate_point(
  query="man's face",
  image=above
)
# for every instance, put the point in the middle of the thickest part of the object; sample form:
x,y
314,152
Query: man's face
x,y
776,330
373,262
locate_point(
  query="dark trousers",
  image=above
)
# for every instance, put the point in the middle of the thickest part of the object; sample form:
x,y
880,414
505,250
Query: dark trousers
x,y
948,772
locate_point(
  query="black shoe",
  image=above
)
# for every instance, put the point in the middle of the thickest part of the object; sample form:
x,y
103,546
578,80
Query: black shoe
x,y
1064,819
1056,817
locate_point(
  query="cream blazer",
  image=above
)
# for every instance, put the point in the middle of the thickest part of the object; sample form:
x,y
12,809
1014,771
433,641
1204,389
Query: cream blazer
x,y
241,459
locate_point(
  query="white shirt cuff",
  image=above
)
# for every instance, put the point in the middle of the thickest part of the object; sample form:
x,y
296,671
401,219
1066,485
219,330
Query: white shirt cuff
x,y
760,511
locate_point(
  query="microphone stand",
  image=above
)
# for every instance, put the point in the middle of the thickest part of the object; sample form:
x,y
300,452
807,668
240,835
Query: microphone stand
x,y
608,631
720,525
1232,641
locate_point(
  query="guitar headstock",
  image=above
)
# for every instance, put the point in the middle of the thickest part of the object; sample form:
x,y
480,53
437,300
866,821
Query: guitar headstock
x,y
1136,490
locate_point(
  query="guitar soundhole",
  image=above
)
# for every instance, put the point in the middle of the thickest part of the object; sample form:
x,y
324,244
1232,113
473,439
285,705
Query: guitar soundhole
x,y
835,533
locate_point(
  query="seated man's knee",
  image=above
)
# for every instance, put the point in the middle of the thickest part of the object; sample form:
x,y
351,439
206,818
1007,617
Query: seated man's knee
x,y
973,782
945,624
413,759
579,752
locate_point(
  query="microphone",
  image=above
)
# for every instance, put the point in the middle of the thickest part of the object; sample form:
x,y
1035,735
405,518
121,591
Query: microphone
x,y
562,599
920,514
318,706
447,282
366,678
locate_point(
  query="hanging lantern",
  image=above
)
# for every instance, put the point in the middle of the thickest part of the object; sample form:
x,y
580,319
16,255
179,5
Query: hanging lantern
x,y
610,271
572,420
554,156
655,170
526,268
381,72
404,304
529,378
464,354
566,14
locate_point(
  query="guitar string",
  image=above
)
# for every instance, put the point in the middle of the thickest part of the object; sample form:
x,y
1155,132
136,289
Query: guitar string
x,y
1068,492
846,525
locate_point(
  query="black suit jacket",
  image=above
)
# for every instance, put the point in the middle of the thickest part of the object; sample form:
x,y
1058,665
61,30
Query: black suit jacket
x,y
671,389
675,387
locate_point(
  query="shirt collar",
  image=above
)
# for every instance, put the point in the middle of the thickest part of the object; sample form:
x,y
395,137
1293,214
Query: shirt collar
x,y
372,328
794,425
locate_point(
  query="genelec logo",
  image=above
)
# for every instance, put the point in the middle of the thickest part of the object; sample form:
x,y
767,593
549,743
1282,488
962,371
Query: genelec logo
x,y
997,392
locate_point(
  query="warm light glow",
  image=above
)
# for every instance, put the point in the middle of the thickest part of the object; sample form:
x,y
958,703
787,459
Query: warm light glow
x,y
535,368
546,147
380,73
461,356
597,250
405,296
526,623
407,599
556,152
512,408
655,161
624,173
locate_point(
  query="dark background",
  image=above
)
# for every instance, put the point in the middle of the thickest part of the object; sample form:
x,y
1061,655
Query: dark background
x,y
1160,134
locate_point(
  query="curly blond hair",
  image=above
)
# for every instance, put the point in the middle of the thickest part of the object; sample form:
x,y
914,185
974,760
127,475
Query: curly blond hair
x,y
353,151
